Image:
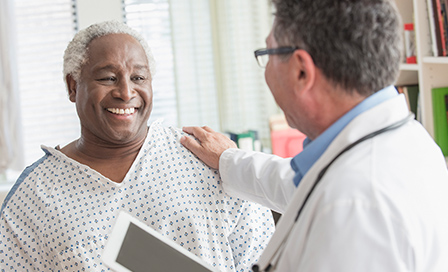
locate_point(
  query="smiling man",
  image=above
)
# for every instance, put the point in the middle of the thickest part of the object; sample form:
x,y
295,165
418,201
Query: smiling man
x,y
59,214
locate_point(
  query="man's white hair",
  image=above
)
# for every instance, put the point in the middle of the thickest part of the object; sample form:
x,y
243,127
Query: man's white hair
x,y
76,53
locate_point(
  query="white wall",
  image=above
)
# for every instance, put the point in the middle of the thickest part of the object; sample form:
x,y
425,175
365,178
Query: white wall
x,y
90,12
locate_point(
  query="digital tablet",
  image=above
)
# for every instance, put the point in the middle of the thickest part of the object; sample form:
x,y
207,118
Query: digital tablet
x,y
136,247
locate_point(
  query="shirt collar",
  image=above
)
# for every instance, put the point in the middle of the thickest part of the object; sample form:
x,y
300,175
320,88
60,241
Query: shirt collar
x,y
312,150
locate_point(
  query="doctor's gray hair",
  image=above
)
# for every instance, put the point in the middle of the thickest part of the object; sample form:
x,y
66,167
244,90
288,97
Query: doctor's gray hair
x,y
76,53
357,44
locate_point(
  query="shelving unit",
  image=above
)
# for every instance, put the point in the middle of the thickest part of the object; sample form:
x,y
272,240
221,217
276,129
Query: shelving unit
x,y
429,72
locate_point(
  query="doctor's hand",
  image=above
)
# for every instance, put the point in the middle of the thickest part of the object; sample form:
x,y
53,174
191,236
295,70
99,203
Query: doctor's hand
x,y
208,145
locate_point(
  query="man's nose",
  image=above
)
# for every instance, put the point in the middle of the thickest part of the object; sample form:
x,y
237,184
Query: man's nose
x,y
124,90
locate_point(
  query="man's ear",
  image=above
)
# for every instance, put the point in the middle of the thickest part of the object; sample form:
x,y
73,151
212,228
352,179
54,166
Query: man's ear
x,y
305,69
71,86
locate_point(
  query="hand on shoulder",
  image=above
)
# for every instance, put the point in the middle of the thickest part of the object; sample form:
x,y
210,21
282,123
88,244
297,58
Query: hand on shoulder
x,y
208,145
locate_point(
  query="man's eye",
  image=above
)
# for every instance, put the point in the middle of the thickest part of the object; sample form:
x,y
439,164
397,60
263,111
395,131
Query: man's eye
x,y
107,79
138,78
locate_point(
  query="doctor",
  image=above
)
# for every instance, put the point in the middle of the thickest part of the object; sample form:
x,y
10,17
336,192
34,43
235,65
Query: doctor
x,y
369,192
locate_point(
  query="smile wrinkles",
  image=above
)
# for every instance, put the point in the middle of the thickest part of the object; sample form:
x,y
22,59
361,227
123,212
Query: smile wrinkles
x,y
121,111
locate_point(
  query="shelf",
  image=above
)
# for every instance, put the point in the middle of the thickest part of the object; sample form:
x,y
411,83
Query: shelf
x,y
408,67
430,72
435,60
427,60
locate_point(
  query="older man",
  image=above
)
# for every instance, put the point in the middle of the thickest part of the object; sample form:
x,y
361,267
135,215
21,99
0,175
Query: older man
x,y
371,184
60,212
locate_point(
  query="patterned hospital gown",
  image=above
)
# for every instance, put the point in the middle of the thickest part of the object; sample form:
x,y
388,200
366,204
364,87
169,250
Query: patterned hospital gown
x,y
59,214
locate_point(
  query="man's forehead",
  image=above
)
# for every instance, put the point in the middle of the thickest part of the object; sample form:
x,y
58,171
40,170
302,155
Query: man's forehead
x,y
115,43
109,52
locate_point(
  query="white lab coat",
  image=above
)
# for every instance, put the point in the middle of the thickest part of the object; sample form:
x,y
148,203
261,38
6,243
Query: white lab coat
x,y
382,206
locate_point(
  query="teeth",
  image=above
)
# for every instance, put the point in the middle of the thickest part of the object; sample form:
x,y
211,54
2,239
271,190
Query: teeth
x,y
121,111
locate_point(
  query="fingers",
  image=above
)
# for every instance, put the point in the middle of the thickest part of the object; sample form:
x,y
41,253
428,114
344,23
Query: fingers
x,y
200,151
188,130
190,143
209,144
208,129
197,132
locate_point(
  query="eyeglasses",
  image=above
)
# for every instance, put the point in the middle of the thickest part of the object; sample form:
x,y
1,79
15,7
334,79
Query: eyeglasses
x,y
262,55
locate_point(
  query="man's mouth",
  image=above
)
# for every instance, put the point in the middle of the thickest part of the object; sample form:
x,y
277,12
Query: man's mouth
x,y
121,111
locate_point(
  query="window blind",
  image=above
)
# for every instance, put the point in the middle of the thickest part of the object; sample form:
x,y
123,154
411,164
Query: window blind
x,y
44,28
241,28
195,63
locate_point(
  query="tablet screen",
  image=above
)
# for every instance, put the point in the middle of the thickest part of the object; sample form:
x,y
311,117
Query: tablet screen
x,y
141,252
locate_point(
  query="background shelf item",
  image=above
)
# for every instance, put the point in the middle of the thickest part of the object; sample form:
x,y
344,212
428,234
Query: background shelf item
x,y
431,70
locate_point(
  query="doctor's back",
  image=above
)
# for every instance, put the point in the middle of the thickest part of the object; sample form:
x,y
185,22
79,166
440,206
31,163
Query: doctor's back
x,y
380,206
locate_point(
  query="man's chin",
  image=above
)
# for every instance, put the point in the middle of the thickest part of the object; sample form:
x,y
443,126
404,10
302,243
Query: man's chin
x,y
121,137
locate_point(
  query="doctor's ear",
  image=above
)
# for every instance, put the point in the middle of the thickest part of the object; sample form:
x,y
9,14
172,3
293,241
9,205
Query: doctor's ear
x,y
71,86
305,67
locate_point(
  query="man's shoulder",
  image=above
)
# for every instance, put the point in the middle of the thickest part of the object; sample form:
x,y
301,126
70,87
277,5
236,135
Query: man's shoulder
x,y
165,141
158,129
46,159
27,176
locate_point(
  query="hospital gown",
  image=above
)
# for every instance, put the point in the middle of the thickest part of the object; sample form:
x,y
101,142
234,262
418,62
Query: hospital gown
x,y
60,213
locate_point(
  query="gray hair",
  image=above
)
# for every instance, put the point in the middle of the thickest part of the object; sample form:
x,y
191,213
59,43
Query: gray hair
x,y
357,44
76,53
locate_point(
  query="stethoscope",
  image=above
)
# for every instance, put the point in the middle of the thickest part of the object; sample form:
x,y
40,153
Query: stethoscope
x,y
273,260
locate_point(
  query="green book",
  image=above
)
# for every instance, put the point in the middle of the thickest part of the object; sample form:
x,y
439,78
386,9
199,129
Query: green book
x,y
440,118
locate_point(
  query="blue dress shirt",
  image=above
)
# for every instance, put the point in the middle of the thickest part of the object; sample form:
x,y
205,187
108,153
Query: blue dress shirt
x,y
312,150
